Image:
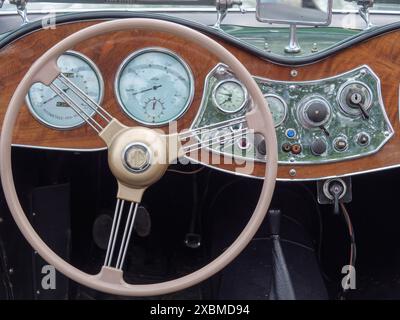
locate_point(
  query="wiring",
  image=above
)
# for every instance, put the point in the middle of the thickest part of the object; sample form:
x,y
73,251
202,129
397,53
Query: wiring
x,y
353,248
4,270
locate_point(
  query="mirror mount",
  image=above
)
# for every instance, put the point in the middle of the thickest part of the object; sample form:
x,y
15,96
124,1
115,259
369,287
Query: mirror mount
x,y
293,46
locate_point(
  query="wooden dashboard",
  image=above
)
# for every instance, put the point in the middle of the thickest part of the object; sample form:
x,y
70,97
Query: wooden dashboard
x,y
381,54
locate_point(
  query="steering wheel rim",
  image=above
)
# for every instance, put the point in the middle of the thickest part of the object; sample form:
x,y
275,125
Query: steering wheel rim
x,y
110,280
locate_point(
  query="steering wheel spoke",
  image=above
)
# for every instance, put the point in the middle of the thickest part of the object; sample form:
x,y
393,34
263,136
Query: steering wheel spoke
x,y
83,105
119,239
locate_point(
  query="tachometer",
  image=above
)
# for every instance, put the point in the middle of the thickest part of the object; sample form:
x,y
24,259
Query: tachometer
x,y
230,96
154,86
53,111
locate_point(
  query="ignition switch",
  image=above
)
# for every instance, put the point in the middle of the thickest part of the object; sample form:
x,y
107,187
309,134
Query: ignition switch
x,y
334,191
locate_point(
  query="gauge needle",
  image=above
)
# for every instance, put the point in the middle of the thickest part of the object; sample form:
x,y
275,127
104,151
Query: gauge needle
x,y
154,104
227,100
55,96
145,90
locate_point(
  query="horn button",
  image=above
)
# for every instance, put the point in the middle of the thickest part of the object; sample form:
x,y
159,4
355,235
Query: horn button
x,y
138,157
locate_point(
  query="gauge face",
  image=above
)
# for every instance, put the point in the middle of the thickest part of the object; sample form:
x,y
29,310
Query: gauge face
x,y
230,96
154,86
50,109
278,108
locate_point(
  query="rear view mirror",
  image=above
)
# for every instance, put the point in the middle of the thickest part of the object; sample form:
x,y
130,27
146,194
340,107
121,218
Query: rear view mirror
x,y
299,12
295,12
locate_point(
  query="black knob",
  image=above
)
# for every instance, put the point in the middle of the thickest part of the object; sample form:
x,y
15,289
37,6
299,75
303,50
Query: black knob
x,y
318,147
317,112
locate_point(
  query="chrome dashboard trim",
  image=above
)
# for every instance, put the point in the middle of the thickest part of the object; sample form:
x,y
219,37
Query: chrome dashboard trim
x,y
317,161
356,173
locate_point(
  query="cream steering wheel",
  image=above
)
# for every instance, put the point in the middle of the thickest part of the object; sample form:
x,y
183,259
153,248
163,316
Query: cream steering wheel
x,y
134,171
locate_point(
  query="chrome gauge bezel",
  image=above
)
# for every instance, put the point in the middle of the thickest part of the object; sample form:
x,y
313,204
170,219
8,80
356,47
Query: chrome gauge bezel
x,y
95,69
303,118
220,83
139,52
284,105
351,112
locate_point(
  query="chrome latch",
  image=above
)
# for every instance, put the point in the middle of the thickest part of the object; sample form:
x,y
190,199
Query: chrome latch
x,y
365,5
21,9
222,7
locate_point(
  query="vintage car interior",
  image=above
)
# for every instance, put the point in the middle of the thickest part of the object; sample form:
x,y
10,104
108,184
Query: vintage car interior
x,y
199,150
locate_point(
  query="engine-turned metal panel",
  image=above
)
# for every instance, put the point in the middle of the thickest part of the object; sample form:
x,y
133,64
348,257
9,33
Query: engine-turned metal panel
x,y
326,120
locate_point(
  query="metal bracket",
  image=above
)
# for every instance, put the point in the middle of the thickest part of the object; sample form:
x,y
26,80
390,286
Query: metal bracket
x,y
21,9
365,5
293,46
222,7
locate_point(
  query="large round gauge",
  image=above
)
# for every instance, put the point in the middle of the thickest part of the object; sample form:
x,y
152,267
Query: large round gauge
x,y
154,86
230,96
278,108
53,111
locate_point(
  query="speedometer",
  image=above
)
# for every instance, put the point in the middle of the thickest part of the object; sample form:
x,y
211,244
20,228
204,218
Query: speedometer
x,y
50,109
154,86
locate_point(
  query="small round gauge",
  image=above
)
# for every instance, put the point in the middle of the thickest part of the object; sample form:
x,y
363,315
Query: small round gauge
x,y
230,96
278,108
154,86
46,106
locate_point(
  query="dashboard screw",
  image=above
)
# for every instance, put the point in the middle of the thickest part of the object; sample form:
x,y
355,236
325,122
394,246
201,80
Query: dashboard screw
x,y
294,73
292,172
314,47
